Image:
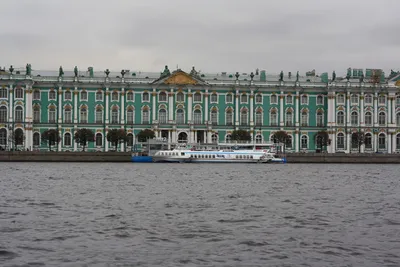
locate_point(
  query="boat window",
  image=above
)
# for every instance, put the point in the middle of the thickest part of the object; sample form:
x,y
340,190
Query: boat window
x,y
214,156
182,154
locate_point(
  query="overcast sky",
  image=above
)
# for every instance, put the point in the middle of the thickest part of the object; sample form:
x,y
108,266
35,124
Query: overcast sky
x,y
212,35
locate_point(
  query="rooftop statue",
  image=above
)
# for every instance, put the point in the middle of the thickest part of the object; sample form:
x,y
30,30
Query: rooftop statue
x,y
90,70
166,71
333,76
60,72
76,71
107,72
28,69
193,72
362,77
11,69
348,75
297,77
123,73
281,76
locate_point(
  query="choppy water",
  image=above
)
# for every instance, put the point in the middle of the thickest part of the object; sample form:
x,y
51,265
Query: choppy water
x,y
60,214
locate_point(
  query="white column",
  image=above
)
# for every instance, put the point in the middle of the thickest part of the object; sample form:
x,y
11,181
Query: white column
x,y
206,107
195,137
362,113
375,142
122,106
334,110
330,108
389,142
376,109
348,144
333,142
105,141
190,104
107,108
393,111
60,105
389,113
171,105
237,108
297,142
76,94
154,94
169,139
251,108
209,134
75,143
28,118
281,121
11,109
394,143
297,109
348,108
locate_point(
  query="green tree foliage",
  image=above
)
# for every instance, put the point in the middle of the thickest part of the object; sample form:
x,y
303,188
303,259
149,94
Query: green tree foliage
x,y
51,137
117,136
280,137
241,135
358,139
18,137
145,134
83,137
322,139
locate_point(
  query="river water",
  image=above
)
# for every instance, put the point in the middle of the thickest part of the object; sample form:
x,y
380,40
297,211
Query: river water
x,y
95,214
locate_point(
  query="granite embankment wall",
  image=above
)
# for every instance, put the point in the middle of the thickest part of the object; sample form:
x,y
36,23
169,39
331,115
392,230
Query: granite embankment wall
x,y
342,158
32,156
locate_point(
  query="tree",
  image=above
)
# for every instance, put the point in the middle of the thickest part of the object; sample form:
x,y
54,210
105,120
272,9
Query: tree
x,y
83,137
145,134
358,139
322,139
280,137
241,135
116,136
51,137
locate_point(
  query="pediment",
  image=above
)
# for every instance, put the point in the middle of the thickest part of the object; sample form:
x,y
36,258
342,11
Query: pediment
x,y
179,77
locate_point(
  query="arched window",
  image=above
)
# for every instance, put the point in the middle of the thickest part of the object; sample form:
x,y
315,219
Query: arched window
x,y
289,118
3,138
229,117
340,99
382,141
180,97
274,99
36,139
52,114
162,116
354,118
145,97
243,117
368,99
382,118
320,119
304,142
182,137
197,116
3,114
340,141
214,117
398,119
304,100
3,93
289,99
114,116
145,116
18,133
258,118
229,98
368,141
129,116
99,139
84,96
180,116
320,100
19,93
340,118
36,94
258,139
67,139
214,98
197,97
398,141
83,117
36,114
354,99
214,138
258,99
67,115
228,138
243,98
130,140
52,95
19,114
273,118
382,100
304,118
368,118
67,95
398,100
99,115
114,96
99,96
129,96
162,97
289,142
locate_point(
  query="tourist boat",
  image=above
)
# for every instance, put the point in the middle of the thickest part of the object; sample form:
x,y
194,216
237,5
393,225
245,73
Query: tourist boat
x,y
236,154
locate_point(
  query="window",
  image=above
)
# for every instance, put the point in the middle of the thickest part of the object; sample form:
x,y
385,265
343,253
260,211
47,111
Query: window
x,y
340,118
214,117
67,95
3,93
258,99
289,142
228,138
304,118
67,139
368,118
382,141
304,100
52,114
274,99
320,119
180,97
129,96
258,139
258,118
340,99
3,114
3,137
19,132
145,97
229,98
289,118
99,115
114,96
398,100
162,97
36,94
229,117
304,142
145,116
214,98
382,118
289,99
52,95
67,115
19,114
354,118
84,96
197,116
36,139
214,138
368,99
129,116
368,141
243,98
99,96
274,118
382,100
320,100
197,97
354,99
243,117
398,141
130,140
398,119
114,116
180,116
162,116
19,93
84,117
36,114
99,140
340,141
